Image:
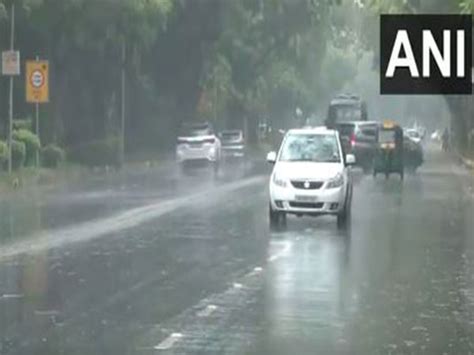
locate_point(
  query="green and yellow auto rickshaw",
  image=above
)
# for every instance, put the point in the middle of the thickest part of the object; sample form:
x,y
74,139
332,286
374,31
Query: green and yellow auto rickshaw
x,y
389,152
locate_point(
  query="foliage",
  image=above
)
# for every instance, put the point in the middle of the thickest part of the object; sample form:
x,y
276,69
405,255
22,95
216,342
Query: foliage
x,y
18,154
52,156
98,153
22,124
467,6
3,153
31,141
232,61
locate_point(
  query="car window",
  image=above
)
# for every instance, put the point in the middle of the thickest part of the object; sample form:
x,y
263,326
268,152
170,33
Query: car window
x,y
386,136
196,130
311,147
345,129
369,132
227,136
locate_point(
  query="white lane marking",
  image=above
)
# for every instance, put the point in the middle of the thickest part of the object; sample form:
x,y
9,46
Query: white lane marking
x,y
237,285
282,253
47,313
168,342
12,296
257,270
206,312
49,239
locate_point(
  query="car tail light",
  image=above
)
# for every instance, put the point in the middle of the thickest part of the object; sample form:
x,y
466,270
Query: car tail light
x,y
209,140
353,139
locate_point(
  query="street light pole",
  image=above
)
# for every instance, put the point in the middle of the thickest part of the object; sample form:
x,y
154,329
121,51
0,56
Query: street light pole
x,y
10,109
122,120
37,130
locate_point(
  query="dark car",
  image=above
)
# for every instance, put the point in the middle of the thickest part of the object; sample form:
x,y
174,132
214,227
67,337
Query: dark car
x,y
233,143
413,151
359,138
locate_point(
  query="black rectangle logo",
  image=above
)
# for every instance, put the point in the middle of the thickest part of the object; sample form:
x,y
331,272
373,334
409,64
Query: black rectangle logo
x,y
426,54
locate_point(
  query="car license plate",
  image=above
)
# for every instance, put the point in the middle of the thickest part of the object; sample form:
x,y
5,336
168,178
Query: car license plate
x,y
303,198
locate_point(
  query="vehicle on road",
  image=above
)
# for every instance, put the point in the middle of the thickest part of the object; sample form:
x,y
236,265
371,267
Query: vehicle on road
x,y
311,176
232,143
389,155
436,135
413,154
359,138
198,142
413,134
346,108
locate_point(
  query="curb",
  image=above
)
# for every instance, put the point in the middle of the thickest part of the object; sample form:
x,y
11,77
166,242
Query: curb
x,y
469,164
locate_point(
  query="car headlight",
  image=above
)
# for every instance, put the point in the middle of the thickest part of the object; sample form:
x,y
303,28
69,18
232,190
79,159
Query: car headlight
x,y
336,181
279,181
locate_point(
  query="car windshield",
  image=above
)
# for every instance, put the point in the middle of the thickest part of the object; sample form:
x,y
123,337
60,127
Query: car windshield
x,y
345,129
230,135
347,113
321,148
386,136
196,130
412,134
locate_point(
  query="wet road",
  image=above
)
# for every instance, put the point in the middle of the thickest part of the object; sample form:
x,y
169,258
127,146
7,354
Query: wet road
x,y
162,263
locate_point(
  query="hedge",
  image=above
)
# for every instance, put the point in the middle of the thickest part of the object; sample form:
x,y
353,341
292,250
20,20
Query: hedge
x,y
52,156
18,154
32,143
98,153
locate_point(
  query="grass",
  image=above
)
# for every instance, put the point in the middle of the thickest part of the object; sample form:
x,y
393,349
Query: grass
x,y
31,176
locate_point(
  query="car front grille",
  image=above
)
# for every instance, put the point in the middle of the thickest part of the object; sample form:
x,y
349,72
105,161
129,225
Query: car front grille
x,y
310,185
312,205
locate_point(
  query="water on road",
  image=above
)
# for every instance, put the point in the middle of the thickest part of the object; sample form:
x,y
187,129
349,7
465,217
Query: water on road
x,y
161,262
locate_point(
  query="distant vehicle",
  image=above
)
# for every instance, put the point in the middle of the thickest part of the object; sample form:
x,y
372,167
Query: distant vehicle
x,y
310,176
198,142
413,134
359,138
413,154
346,108
389,157
232,143
436,135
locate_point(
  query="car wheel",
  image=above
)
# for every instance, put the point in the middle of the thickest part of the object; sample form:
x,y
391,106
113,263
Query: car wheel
x,y
366,169
344,216
277,219
273,216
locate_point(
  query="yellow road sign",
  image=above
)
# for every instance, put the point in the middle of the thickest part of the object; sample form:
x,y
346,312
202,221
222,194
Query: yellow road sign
x,y
37,81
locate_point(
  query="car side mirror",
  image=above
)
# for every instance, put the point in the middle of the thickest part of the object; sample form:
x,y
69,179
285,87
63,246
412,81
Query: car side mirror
x,y
271,157
350,159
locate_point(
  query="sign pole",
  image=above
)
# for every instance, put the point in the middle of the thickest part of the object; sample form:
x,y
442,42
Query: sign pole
x,y
37,130
10,110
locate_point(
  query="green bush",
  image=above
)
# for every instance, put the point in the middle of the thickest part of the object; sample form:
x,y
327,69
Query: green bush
x,y
18,154
98,153
22,124
3,153
32,143
52,156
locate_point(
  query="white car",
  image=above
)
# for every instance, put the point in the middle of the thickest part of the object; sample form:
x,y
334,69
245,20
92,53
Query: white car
x,y
198,142
310,176
414,135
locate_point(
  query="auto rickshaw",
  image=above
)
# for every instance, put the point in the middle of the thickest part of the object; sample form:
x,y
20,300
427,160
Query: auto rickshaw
x,y
389,152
